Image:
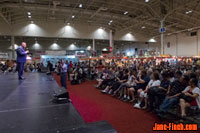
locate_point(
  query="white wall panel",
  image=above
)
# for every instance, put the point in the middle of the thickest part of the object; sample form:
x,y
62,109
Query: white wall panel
x,y
183,44
172,49
82,31
198,41
187,45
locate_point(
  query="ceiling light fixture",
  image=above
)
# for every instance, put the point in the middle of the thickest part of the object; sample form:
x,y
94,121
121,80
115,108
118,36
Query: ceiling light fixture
x,y
29,13
126,12
146,0
29,16
73,16
80,5
32,22
143,27
188,12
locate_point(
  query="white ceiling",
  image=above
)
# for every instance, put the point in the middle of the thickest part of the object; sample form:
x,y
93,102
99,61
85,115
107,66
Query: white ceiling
x,y
178,14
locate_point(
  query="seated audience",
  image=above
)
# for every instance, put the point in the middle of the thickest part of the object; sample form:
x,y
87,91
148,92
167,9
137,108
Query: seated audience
x,y
173,93
142,94
141,83
157,94
190,97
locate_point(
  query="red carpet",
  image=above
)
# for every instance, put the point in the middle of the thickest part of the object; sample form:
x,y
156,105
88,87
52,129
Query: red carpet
x,y
94,106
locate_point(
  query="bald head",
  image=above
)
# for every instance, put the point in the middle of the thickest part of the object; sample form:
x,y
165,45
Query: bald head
x,y
23,44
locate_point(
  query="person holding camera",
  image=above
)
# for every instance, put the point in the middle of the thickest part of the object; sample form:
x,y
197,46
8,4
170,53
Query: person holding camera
x,y
21,59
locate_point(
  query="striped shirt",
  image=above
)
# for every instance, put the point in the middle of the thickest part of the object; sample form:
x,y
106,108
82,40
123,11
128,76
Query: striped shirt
x,y
176,87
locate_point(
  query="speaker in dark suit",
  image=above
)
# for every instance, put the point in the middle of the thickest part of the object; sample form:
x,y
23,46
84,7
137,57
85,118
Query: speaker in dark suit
x,y
21,59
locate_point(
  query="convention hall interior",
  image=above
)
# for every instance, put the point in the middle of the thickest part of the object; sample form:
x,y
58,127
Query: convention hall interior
x,y
99,66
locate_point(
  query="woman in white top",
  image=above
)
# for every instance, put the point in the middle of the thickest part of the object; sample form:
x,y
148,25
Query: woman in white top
x,y
155,81
191,96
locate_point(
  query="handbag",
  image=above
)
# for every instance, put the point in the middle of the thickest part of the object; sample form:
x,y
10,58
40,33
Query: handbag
x,y
186,98
156,90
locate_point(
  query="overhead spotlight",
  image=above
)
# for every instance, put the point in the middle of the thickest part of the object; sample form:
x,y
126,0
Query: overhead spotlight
x,y
29,13
188,12
29,16
128,53
190,29
126,12
80,5
68,23
32,22
73,16
104,49
143,27
147,0
111,21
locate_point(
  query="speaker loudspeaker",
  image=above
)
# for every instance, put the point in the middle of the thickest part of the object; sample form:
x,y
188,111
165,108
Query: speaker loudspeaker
x,y
61,93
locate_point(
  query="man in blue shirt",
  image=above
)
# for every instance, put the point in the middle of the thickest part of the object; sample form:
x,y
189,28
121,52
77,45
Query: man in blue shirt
x,y
21,59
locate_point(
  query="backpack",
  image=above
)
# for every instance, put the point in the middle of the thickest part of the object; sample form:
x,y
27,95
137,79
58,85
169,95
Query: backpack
x,y
74,82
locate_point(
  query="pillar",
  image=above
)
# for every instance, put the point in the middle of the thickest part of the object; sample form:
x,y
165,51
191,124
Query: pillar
x,y
13,47
93,47
162,37
111,48
156,51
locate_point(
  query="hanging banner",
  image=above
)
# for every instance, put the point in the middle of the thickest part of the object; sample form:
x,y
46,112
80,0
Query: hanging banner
x,y
168,45
110,49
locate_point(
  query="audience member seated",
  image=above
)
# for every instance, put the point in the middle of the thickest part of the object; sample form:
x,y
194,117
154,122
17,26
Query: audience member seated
x,y
156,95
93,73
120,79
142,94
190,97
124,86
141,83
173,93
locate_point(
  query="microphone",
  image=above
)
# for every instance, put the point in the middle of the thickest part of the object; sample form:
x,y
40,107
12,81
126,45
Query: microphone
x,y
27,50
29,54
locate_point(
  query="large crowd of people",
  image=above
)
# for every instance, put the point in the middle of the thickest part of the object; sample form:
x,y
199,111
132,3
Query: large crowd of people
x,y
8,66
154,87
11,67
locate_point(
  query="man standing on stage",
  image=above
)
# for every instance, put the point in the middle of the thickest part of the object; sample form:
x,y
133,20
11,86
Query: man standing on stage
x,y
21,59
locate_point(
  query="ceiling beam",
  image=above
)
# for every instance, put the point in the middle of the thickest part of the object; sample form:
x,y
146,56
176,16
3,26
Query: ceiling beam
x,y
66,10
5,19
180,7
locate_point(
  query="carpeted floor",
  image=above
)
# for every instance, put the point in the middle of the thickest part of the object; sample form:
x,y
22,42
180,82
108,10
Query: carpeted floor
x,y
94,106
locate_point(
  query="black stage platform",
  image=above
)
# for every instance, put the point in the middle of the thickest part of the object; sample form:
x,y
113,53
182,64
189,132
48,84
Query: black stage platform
x,y
25,107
